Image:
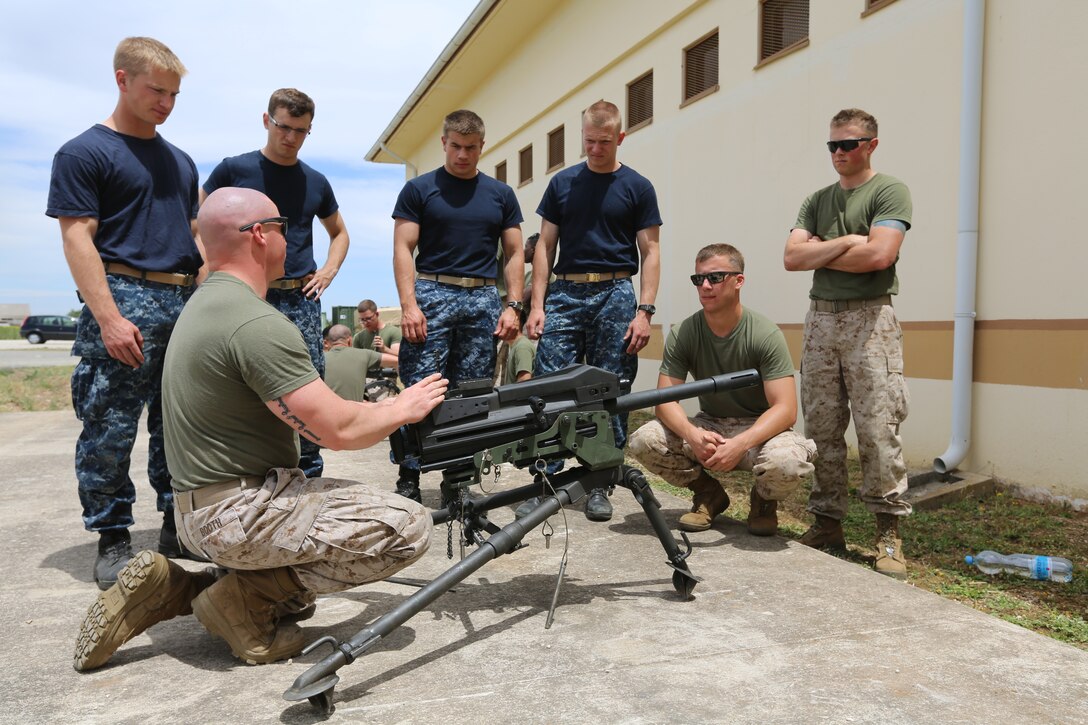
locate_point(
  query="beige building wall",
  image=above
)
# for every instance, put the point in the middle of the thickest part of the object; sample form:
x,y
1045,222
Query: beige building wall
x,y
735,165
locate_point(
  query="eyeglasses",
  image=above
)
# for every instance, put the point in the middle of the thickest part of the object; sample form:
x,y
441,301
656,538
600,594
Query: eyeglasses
x,y
281,220
848,144
367,319
287,130
712,277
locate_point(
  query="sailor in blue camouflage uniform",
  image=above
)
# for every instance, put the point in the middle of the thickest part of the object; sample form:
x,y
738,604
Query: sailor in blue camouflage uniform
x,y
603,218
126,200
301,193
455,216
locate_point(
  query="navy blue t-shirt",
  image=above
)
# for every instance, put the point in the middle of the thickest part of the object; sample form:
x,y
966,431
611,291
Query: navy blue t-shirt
x,y
143,192
460,221
598,216
298,191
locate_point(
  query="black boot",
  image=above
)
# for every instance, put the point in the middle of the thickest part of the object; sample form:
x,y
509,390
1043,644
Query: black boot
x,y
598,507
408,483
169,546
114,551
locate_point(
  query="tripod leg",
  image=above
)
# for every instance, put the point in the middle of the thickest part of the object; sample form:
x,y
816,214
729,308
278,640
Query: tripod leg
x,y
316,684
683,580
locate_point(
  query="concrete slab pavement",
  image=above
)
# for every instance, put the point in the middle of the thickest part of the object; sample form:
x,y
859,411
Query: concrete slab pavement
x,y
776,632
21,354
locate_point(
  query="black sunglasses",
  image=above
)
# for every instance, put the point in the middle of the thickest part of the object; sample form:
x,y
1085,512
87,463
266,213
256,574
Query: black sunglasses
x,y
846,144
713,277
281,220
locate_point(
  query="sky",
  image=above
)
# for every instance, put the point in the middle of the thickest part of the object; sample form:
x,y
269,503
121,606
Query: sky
x,y
358,59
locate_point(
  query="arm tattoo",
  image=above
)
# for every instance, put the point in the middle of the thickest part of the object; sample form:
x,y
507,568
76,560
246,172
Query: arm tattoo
x,y
297,423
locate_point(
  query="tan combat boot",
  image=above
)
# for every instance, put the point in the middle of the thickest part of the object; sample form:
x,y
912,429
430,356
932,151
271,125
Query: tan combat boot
x,y
297,608
149,589
710,500
763,516
889,547
826,533
241,609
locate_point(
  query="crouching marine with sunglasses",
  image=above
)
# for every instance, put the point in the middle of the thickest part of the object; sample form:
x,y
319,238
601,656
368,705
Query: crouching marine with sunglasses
x,y
849,234
238,389
747,429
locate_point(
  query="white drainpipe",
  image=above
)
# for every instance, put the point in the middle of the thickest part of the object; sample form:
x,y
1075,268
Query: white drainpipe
x,y
963,350
414,171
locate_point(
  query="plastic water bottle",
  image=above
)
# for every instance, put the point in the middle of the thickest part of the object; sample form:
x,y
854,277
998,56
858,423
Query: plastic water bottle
x,y
1053,568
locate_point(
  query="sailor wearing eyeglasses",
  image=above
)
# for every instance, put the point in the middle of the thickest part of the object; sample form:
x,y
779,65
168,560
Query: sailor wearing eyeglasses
x,y
301,193
748,429
849,234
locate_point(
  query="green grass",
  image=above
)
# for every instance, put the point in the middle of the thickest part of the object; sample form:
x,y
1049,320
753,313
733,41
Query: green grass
x,y
9,332
935,543
28,389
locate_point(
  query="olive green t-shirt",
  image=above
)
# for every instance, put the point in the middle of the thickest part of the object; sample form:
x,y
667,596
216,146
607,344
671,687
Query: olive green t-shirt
x,y
364,340
390,335
229,353
345,370
833,212
519,359
755,342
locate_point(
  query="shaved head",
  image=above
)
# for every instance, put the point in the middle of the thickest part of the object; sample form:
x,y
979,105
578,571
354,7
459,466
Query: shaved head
x,y
223,212
256,254
339,333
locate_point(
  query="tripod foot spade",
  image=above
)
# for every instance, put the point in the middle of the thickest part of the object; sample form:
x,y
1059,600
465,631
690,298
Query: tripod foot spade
x,y
319,693
683,581
323,702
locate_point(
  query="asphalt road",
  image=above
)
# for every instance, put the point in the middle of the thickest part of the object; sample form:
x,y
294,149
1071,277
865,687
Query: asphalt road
x,y
21,354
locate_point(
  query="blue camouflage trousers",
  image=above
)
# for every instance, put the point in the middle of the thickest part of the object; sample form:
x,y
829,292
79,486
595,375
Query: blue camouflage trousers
x,y
586,322
109,398
460,340
306,314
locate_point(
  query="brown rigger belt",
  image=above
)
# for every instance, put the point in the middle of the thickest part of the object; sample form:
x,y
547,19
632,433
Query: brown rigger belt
x,y
178,279
188,501
844,305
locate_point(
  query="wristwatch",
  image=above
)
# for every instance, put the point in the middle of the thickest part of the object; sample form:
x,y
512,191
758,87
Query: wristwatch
x,y
518,306
648,309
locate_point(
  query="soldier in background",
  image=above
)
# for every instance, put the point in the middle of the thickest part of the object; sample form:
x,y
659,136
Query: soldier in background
x,y
346,367
376,333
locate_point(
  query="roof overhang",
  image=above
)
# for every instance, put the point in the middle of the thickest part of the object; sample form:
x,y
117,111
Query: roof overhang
x,y
493,30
